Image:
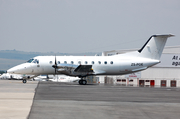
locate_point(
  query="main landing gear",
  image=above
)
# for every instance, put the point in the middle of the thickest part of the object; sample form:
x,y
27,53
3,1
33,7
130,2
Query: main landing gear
x,y
82,82
24,80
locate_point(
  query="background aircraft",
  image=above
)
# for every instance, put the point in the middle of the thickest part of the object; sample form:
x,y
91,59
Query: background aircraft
x,y
64,78
54,78
10,76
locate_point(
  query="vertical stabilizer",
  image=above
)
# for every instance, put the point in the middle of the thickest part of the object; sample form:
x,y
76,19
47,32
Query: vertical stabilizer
x,y
154,46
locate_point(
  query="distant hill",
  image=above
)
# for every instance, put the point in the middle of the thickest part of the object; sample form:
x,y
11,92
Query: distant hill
x,y
10,58
13,54
1,72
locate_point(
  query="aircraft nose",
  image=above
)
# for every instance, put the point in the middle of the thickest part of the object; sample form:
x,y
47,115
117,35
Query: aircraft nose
x,y
19,69
12,70
16,70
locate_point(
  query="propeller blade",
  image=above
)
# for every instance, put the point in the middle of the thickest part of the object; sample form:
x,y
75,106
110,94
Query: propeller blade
x,y
55,61
55,65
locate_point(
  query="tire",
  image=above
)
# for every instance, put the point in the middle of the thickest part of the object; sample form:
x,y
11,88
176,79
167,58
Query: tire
x,y
80,82
24,81
84,82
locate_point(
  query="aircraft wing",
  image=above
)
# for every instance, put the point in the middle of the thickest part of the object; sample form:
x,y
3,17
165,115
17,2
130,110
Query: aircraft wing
x,y
84,68
75,68
79,68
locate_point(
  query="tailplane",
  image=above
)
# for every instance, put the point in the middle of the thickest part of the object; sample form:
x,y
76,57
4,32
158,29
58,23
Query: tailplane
x,y
154,46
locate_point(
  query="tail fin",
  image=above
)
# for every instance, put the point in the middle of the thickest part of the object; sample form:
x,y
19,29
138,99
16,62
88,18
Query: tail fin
x,y
154,46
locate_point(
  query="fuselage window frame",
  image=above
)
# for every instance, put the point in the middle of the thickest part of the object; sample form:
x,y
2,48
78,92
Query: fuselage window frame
x,y
72,62
111,62
105,62
86,62
99,62
65,62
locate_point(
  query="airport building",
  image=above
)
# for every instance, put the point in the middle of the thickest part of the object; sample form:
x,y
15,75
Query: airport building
x,y
164,74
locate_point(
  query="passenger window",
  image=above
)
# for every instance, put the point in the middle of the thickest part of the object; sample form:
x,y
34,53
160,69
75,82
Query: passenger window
x,y
65,62
92,62
58,62
79,62
86,62
72,62
105,62
99,62
50,62
111,62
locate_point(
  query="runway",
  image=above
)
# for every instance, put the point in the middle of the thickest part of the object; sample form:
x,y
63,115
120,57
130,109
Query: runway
x,y
54,100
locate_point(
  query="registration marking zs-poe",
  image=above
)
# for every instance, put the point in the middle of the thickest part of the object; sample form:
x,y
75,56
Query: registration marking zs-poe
x,y
136,64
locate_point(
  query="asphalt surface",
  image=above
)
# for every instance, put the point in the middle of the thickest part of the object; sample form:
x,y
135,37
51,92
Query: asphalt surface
x,y
54,100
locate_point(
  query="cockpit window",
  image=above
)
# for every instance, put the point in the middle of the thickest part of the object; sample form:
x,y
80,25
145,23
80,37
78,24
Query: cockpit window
x,y
29,61
33,61
36,61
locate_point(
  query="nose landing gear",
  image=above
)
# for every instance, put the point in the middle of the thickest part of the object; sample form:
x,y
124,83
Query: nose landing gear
x,y
24,80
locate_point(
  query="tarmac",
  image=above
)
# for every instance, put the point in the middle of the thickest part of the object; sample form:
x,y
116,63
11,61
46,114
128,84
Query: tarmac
x,y
55,100
16,98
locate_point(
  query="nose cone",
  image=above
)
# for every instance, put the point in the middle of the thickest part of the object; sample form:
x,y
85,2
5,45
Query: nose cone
x,y
13,70
20,69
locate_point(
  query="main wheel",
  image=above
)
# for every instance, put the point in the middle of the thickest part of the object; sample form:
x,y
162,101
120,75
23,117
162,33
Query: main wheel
x,y
24,81
80,82
84,82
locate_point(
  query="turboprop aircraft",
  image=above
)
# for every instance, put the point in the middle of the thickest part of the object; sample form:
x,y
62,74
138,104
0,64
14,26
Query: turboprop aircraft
x,y
82,66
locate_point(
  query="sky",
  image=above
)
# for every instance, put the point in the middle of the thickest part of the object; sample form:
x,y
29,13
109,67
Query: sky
x,y
76,26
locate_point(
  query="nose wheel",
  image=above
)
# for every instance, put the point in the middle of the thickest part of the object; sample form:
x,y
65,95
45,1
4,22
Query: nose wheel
x,y
24,80
82,82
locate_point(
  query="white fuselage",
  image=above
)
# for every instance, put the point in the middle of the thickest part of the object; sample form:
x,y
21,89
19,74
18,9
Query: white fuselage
x,y
101,65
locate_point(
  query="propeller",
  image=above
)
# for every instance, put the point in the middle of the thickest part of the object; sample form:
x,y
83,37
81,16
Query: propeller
x,y
55,65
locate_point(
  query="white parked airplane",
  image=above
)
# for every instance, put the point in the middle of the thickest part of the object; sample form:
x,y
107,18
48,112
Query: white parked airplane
x,y
64,78
15,76
82,66
10,76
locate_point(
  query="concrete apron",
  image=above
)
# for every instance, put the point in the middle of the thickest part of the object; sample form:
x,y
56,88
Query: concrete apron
x,y
16,98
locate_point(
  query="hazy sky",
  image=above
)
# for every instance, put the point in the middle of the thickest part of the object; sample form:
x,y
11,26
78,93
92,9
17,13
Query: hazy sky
x,y
85,25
